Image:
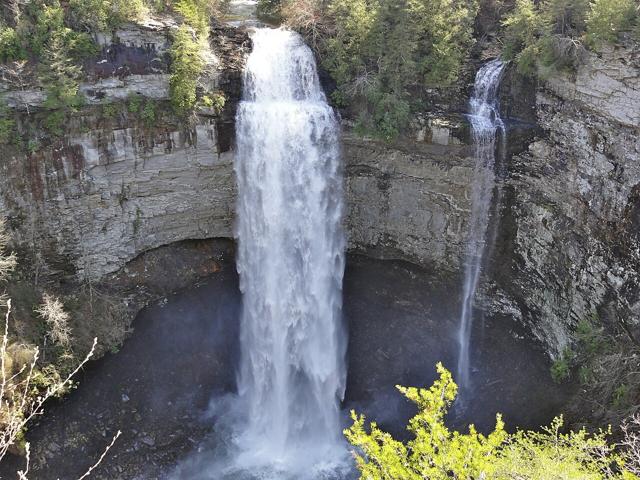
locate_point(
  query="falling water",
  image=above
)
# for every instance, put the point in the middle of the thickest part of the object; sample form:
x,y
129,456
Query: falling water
x,y
290,259
485,124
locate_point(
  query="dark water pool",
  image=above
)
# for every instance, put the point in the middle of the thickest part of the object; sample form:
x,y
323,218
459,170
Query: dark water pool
x,y
183,351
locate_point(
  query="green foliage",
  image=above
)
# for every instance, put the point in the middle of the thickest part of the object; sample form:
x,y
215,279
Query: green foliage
x,y
216,100
269,8
381,50
43,34
137,222
620,395
60,77
591,339
134,103
187,62
44,20
196,13
186,66
561,367
608,18
109,110
544,37
10,46
55,122
144,108
548,36
33,145
551,454
437,453
7,125
103,15
149,114
7,130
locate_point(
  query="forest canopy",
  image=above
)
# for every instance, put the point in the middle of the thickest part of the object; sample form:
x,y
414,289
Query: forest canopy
x,y
382,55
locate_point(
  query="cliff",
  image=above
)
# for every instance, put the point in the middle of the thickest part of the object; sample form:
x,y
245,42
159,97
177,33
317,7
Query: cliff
x,y
116,185
570,227
565,227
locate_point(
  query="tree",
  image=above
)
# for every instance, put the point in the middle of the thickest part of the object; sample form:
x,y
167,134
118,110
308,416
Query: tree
x,y
187,65
380,52
437,453
608,18
548,36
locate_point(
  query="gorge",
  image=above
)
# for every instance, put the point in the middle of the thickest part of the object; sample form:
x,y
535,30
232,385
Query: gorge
x,y
484,236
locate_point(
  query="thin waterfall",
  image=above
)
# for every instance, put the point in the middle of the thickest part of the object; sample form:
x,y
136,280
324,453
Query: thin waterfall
x,y
290,257
485,125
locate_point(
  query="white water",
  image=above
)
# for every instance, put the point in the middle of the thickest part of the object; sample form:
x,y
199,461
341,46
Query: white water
x,y
485,124
290,261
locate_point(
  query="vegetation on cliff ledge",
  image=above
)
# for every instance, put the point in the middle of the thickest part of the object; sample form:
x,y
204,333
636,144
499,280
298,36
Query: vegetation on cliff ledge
x,y
384,54
47,43
544,37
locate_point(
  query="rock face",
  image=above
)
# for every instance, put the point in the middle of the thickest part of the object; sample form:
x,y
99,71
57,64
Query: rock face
x,y
104,197
409,201
570,222
115,186
566,227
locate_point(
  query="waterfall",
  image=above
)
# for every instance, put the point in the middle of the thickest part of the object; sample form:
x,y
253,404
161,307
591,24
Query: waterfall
x,y
290,259
485,125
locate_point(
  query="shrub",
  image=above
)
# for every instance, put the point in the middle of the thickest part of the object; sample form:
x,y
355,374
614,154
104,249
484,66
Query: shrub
x,y
186,66
43,20
608,18
33,145
10,46
103,15
134,103
545,38
109,110
7,125
57,320
561,367
216,100
437,453
197,13
148,113
7,130
60,76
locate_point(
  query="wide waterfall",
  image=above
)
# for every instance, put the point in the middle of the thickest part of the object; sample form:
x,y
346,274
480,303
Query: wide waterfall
x,y
485,125
290,259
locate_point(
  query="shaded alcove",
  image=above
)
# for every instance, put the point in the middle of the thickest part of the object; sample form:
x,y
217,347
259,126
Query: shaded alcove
x,y
183,352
